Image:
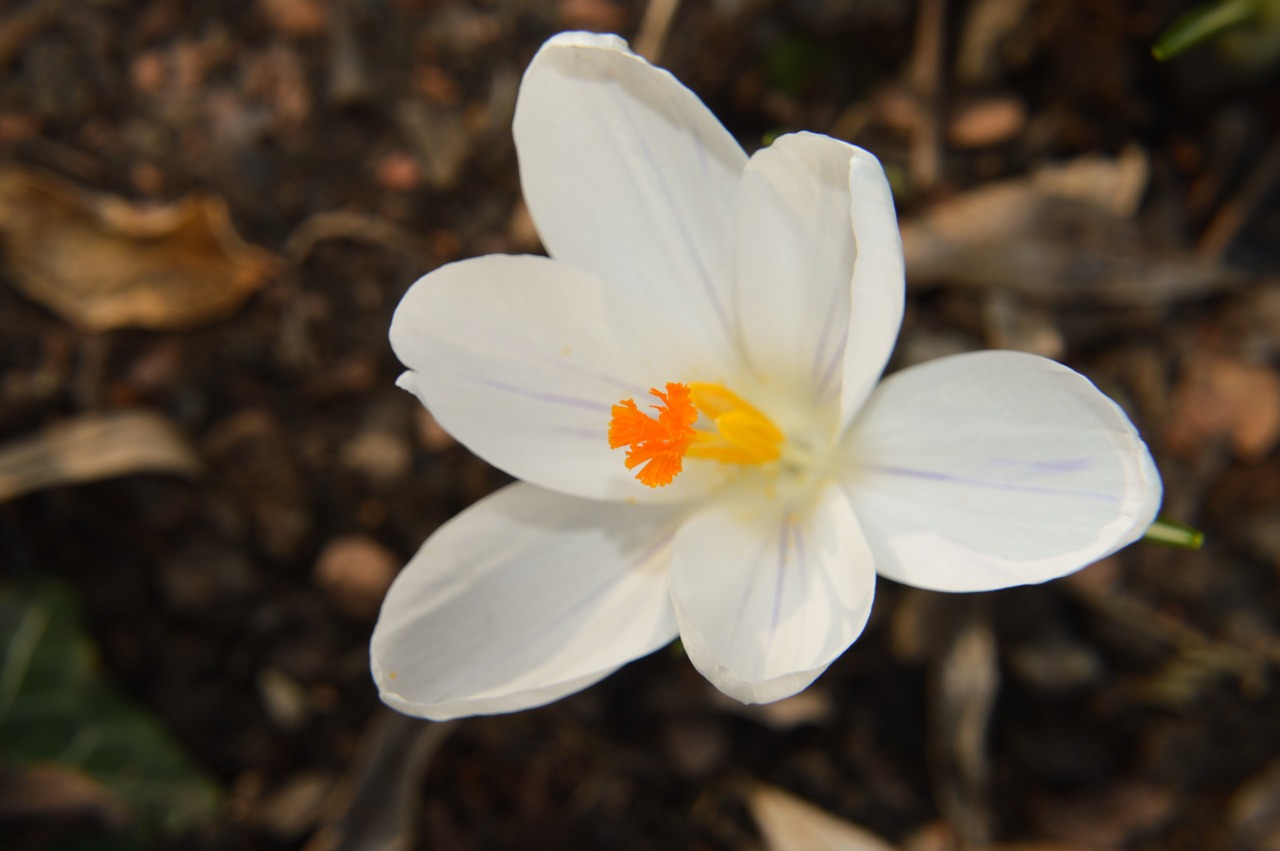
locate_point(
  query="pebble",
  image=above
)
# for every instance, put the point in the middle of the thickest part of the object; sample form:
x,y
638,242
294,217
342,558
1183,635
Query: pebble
x,y
354,572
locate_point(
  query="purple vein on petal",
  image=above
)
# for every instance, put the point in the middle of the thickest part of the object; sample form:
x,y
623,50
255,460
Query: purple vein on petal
x,y
632,565
746,595
656,172
817,372
825,386
549,398
585,601
702,156
592,434
1065,465
656,547
969,481
627,388
784,547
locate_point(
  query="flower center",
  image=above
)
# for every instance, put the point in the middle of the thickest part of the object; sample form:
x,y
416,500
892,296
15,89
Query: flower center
x,y
658,445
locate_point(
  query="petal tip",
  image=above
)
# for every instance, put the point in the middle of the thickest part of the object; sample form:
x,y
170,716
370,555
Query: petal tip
x,y
582,38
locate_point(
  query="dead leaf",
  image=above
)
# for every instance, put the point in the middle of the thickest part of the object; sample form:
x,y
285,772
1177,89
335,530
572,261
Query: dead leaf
x,y
1011,323
92,447
287,702
440,137
102,262
21,26
603,16
695,747
297,18
986,122
375,805
294,808
1062,235
1115,185
1048,846
811,706
987,24
937,836
1254,812
1221,397
922,626
791,824
254,454
1111,817
51,791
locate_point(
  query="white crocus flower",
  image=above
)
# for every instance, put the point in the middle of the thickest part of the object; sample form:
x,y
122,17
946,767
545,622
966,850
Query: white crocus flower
x,y
752,304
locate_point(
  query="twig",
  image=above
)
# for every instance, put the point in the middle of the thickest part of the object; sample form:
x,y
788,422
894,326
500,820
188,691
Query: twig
x,y
357,227
1225,656
23,26
926,85
652,36
348,73
1235,213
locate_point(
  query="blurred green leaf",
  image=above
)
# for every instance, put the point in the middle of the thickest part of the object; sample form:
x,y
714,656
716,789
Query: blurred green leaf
x,y
771,136
1201,24
792,64
55,705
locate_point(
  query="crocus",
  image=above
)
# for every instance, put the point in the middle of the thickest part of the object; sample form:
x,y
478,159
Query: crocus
x,y
689,390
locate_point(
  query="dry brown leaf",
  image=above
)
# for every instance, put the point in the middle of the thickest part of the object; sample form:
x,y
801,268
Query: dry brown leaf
x,y
1221,397
791,824
441,138
1115,185
298,18
254,454
986,122
1254,812
811,706
102,262
1048,846
987,24
1109,817
296,806
1061,235
50,791
938,836
376,804
92,447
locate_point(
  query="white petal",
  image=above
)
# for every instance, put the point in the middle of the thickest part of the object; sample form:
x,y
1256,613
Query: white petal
x,y
875,312
768,594
520,359
794,263
522,599
994,469
629,176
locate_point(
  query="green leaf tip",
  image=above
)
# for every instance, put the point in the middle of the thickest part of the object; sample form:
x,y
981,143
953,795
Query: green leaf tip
x,y
1201,24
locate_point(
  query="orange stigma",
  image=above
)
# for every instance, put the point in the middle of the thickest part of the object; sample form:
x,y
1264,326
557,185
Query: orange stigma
x,y
659,443
743,435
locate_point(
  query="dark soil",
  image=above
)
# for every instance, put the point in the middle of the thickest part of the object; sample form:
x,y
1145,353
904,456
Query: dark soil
x,y
1136,704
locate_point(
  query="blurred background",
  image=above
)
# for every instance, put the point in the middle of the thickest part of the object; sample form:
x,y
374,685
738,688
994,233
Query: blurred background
x,y
208,212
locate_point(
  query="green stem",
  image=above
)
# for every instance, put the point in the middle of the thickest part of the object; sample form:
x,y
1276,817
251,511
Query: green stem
x,y
1173,534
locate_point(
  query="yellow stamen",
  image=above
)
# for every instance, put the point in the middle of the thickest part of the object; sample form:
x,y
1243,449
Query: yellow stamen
x,y
743,435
